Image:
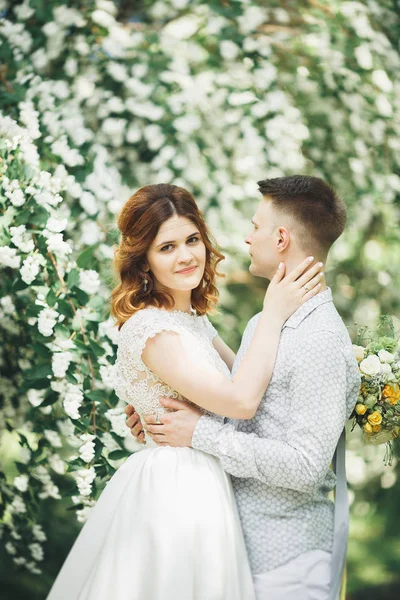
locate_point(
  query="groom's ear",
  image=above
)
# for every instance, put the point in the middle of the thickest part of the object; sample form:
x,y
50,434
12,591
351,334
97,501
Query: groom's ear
x,y
282,239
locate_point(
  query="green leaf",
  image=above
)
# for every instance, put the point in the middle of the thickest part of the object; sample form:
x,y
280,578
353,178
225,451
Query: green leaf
x,y
62,330
96,395
51,399
39,217
82,346
118,454
70,377
19,285
41,350
39,384
82,296
22,217
33,310
76,506
97,349
73,278
51,298
85,259
113,399
38,372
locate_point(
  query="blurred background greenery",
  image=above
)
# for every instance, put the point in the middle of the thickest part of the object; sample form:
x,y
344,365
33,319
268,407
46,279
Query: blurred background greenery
x,y
214,96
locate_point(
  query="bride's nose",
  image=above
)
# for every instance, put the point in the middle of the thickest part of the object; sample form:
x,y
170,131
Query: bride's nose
x,y
184,254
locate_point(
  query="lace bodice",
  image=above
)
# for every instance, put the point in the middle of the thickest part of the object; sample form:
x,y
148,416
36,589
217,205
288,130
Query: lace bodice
x,y
135,383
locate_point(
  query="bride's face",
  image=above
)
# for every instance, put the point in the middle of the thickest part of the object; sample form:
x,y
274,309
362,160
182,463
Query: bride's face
x,y
177,255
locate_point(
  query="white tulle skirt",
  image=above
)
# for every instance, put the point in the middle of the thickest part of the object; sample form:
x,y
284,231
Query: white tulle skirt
x,y
165,528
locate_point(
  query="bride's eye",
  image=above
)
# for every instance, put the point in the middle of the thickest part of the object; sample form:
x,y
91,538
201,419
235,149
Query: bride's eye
x,y
193,239
166,248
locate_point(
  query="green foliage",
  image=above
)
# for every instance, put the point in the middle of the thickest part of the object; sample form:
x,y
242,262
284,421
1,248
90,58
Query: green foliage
x,y
212,96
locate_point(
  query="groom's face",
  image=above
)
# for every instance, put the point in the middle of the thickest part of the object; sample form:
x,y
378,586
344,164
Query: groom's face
x,y
262,240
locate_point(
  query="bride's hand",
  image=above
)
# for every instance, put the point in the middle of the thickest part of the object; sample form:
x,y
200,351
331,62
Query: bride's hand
x,y
286,294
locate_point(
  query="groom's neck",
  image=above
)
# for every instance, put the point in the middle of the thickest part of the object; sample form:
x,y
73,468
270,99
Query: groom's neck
x,y
294,260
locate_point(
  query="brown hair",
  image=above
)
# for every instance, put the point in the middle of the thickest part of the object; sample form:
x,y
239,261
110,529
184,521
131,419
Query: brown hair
x,y
139,222
313,204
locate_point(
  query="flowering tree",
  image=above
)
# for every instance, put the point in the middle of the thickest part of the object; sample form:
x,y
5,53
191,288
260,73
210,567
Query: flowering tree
x,y
98,99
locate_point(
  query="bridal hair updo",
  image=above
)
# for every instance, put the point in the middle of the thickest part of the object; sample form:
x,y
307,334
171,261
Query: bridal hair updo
x,y
139,222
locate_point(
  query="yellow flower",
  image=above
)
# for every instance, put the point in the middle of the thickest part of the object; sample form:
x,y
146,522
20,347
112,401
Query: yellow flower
x,y
387,391
375,418
361,409
367,428
376,428
391,393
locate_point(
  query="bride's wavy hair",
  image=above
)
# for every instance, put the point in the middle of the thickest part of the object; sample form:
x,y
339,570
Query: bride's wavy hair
x,y
139,222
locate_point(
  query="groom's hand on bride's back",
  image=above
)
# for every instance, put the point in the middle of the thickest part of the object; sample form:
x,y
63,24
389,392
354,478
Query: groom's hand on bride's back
x,y
134,423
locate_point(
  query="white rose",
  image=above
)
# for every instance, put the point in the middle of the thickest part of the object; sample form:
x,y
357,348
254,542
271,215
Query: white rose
x,y
387,369
385,356
371,365
359,352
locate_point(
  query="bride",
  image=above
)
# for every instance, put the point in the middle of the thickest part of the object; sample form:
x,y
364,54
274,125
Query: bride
x,y
166,526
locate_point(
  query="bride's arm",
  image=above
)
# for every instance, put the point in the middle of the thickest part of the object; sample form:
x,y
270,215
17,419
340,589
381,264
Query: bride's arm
x,y
227,355
173,358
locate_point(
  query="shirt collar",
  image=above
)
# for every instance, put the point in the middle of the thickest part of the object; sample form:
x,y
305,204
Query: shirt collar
x,y
307,308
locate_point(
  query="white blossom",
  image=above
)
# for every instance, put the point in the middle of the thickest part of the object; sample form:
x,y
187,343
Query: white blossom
x,y
17,506
7,305
55,243
84,479
57,464
47,320
31,267
53,438
82,514
107,373
89,281
56,225
229,50
381,80
11,549
88,203
21,482
24,11
86,451
364,56
36,551
109,442
60,363
117,418
102,18
21,238
72,401
9,258
38,533
35,397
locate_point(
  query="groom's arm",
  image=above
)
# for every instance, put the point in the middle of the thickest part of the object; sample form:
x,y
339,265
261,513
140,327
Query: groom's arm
x,y
316,413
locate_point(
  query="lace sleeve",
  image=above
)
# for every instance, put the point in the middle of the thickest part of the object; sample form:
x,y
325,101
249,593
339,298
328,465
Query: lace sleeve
x,y
134,335
210,329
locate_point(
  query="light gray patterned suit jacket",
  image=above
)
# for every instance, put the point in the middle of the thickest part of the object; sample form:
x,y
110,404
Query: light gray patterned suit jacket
x,y
280,460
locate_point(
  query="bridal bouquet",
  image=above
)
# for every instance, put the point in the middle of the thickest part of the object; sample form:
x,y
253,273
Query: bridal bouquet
x,y
377,410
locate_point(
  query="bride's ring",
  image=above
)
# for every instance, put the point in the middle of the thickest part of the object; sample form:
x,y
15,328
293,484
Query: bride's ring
x,y
306,289
158,421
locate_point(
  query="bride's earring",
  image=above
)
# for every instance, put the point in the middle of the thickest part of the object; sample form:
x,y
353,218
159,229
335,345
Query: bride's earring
x,y
145,282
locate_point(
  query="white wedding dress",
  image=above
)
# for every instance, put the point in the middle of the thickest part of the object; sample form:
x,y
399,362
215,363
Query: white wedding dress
x,y
166,525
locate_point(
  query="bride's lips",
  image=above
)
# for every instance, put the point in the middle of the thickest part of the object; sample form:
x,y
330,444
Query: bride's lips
x,y
188,270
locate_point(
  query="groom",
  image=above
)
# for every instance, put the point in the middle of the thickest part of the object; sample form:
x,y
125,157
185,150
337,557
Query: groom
x,y
280,460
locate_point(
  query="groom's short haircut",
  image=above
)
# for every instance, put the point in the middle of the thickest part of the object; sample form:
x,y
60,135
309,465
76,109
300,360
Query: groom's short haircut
x,y
314,206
